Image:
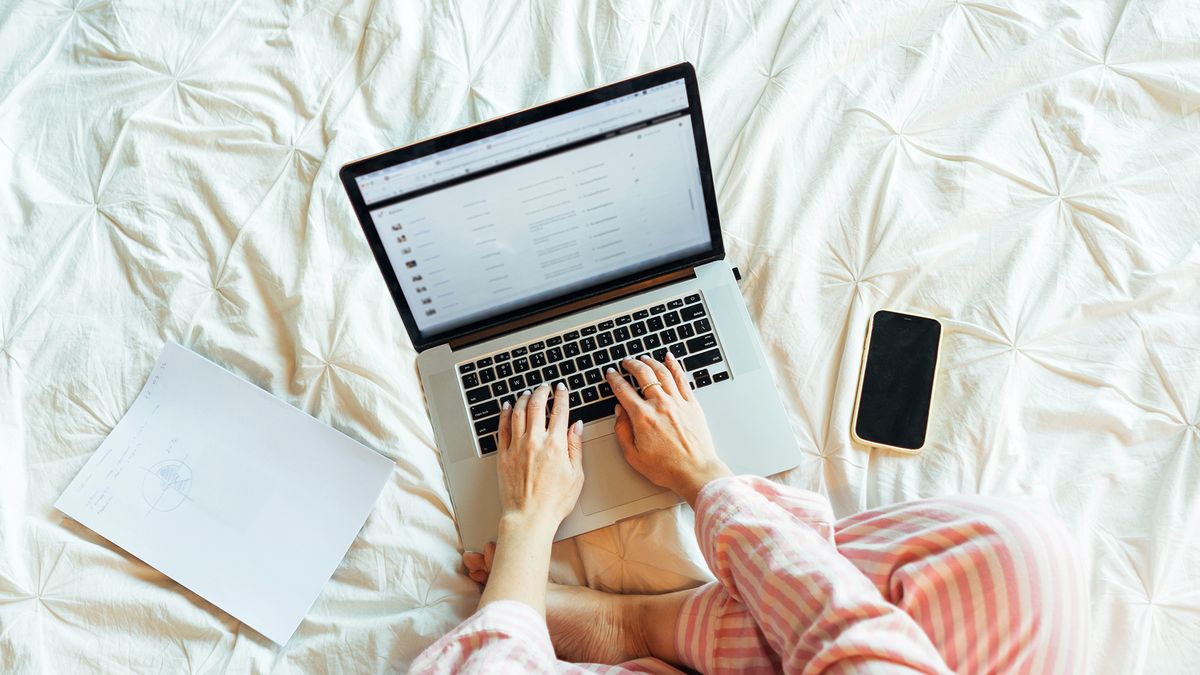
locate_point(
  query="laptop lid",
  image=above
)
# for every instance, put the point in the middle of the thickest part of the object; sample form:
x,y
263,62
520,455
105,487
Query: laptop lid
x,y
542,208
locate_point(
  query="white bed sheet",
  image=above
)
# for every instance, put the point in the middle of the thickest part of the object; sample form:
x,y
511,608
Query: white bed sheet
x,y
1029,172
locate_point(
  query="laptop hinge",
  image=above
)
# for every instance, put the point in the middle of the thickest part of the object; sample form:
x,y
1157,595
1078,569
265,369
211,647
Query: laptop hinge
x,y
572,307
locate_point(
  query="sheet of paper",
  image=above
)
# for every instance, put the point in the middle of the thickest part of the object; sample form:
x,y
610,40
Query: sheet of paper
x,y
233,493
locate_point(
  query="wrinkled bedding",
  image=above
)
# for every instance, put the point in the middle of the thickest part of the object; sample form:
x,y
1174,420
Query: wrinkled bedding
x,y
1027,171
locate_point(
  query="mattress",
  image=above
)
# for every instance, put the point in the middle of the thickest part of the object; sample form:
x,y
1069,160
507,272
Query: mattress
x,y
1027,171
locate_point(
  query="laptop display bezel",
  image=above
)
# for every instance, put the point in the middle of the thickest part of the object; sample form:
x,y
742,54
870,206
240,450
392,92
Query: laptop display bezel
x,y
422,341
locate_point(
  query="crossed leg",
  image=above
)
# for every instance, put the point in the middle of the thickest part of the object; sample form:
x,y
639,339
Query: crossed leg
x,y
993,582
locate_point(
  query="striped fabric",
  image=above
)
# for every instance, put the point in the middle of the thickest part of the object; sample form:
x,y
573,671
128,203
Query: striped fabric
x,y
971,585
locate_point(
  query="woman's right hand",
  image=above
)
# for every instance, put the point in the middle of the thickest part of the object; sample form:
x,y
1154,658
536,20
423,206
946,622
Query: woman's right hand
x,y
664,434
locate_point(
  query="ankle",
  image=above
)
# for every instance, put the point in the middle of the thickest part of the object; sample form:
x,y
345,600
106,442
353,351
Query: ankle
x,y
653,622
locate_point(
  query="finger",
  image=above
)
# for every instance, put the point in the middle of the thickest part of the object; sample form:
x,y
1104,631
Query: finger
x,y
489,555
535,414
473,561
681,381
625,393
480,577
624,431
664,376
643,373
559,410
505,424
519,412
575,444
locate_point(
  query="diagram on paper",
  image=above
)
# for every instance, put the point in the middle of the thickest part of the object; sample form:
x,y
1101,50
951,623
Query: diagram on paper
x,y
166,484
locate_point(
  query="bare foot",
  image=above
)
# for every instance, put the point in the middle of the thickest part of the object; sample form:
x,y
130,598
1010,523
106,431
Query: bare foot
x,y
588,626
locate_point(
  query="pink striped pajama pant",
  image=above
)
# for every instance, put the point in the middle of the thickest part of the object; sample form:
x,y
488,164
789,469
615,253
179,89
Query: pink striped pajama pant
x,y
970,584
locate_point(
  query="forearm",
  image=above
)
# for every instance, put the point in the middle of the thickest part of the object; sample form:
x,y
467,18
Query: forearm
x,y
522,563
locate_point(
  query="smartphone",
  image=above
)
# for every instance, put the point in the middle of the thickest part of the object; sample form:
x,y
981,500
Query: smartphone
x,y
895,383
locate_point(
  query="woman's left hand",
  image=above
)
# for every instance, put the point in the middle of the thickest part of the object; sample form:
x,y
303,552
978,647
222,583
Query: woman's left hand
x,y
540,462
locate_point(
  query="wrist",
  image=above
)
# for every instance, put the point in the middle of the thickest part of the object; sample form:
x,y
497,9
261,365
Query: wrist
x,y
701,476
527,523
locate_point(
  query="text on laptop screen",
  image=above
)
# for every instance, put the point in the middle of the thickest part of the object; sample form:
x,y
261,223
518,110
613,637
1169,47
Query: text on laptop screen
x,y
542,210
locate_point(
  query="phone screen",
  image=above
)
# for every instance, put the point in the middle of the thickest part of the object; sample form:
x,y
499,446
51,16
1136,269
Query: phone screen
x,y
897,385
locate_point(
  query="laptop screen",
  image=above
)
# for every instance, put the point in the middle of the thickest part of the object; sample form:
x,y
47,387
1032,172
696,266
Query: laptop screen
x,y
541,210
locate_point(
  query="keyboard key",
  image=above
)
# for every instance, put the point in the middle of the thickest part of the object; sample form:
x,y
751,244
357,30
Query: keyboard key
x,y
686,331
478,394
504,370
537,346
702,359
588,330
605,390
488,426
641,314
692,299
594,376
550,372
591,395
487,444
501,358
617,352
651,341
575,399
573,335
592,411
567,367
605,339
554,354
487,375
571,349
533,378
622,320
485,409
576,381
699,344
601,357
672,319
691,312
606,325
520,351
515,383
701,378
655,323
556,340
703,326
588,344
621,334
466,367
484,362
499,388
511,399
678,349
675,304
720,377
638,329
584,362
521,365
659,354
668,336
554,390
470,380
537,359
634,347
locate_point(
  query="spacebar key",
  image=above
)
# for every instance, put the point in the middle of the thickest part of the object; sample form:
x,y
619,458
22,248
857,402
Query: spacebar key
x,y
702,359
592,411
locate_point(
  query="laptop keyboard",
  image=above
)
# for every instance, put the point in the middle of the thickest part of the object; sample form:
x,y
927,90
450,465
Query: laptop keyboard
x,y
580,356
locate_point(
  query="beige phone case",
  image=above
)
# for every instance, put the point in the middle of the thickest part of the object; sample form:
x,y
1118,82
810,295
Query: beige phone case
x,y
862,370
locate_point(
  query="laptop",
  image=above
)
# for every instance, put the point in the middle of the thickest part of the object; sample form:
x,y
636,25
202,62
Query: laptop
x,y
546,246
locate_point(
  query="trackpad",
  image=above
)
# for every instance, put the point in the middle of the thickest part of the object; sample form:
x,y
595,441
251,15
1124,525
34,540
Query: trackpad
x,y
608,480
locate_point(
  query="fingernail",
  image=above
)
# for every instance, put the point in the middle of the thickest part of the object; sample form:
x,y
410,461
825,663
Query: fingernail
x,y
626,360
577,427
525,393
670,356
611,370
505,406
561,387
542,385
645,357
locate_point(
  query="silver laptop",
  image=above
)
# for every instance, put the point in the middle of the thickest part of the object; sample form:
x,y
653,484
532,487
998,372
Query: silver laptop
x,y
546,246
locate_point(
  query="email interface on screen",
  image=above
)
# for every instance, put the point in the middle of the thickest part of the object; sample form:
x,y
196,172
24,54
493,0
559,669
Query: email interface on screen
x,y
544,209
